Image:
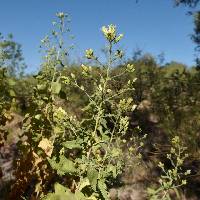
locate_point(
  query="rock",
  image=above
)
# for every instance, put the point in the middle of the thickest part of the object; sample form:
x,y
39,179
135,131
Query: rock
x,y
144,105
128,193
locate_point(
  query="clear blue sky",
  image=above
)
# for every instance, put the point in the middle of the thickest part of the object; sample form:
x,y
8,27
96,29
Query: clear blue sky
x,y
153,25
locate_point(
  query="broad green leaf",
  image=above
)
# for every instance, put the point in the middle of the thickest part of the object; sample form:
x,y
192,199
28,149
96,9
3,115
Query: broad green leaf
x,y
100,128
64,166
56,87
12,93
59,188
92,175
61,193
72,144
79,196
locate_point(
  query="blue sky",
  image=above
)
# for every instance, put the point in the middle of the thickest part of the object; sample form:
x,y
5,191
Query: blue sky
x,y
153,25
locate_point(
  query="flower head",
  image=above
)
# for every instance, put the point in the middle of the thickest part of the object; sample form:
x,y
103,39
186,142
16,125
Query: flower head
x,y
61,15
130,68
89,54
110,34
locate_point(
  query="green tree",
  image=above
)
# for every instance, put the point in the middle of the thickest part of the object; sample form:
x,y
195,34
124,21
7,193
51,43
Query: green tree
x,y
196,34
11,56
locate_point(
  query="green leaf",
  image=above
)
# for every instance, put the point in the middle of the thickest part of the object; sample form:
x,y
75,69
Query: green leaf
x,y
83,183
79,196
61,193
59,188
115,152
104,123
56,87
92,175
112,169
100,128
12,93
38,116
73,144
41,86
64,166
103,188
57,130
11,82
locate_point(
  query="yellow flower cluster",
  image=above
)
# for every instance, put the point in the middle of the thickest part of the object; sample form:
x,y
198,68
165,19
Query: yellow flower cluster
x,y
110,33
